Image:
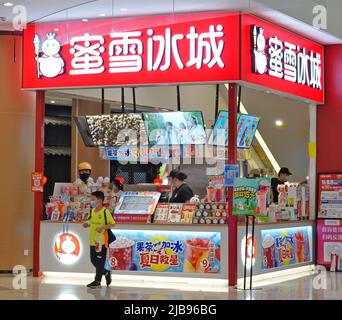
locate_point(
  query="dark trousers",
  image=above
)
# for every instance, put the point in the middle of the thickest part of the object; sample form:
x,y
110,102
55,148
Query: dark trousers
x,y
98,260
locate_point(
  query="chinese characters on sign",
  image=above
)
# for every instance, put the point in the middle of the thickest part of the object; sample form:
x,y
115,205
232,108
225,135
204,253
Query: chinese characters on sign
x,y
126,49
329,235
157,253
151,251
285,60
283,247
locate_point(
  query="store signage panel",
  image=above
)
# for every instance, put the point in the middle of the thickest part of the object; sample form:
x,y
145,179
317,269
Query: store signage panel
x,y
329,235
166,251
287,246
330,196
278,59
141,51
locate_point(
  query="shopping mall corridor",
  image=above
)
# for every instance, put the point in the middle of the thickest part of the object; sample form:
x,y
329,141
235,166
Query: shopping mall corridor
x,y
53,289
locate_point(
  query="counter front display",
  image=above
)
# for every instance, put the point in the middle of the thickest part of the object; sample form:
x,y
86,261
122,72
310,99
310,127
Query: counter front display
x,y
172,239
182,250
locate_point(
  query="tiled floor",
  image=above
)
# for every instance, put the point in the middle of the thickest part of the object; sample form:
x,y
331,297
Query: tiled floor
x,y
299,289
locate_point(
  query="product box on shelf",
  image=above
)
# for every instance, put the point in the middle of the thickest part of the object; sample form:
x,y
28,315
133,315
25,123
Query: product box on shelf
x,y
161,213
188,212
175,213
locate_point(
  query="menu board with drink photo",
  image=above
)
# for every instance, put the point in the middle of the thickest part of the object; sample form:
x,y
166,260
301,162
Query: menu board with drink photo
x,y
330,196
283,247
251,196
157,251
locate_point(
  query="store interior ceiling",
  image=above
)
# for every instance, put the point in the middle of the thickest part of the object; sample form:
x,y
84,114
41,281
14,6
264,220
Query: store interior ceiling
x,y
294,14
287,143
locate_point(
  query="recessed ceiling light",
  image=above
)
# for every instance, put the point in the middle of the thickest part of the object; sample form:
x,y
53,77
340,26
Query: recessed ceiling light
x,y
279,123
84,20
102,14
52,101
123,9
56,29
7,4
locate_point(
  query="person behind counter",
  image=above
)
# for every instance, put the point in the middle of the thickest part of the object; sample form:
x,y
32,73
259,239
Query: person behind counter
x,y
84,171
98,248
117,191
182,192
283,176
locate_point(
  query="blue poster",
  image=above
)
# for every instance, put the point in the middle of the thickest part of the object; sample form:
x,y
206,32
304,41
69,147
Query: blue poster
x,y
247,126
231,171
287,246
134,154
167,251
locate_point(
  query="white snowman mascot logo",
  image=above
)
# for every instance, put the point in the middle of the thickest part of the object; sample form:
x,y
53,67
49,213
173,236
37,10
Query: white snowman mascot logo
x,y
49,64
259,45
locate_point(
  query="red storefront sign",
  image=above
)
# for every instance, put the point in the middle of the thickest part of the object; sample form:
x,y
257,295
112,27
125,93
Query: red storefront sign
x,y
135,51
196,48
280,60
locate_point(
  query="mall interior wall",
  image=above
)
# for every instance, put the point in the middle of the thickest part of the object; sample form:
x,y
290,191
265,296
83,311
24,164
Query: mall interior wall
x,y
17,144
329,116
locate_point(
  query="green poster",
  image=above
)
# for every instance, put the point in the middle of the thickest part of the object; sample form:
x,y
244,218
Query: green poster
x,y
251,196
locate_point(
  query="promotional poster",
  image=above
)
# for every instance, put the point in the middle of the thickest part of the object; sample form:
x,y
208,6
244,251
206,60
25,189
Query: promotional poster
x,y
251,196
284,247
330,196
329,234
153,251
174,128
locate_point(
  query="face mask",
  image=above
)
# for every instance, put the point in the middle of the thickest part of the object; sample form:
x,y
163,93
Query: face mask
x,y
84,177
93,204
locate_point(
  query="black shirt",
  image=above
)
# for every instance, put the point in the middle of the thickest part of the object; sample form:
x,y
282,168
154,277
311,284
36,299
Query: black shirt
x,y
274,185
182,194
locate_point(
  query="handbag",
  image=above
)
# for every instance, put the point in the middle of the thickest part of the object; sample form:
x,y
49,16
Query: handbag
x,y
110,235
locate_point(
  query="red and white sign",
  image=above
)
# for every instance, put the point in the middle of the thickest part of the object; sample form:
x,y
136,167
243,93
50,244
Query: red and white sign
x,y
329,234
37,181
196,48
274,58
134,51
67,248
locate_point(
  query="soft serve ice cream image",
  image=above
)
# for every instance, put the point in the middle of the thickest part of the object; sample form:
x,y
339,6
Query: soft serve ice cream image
x,y
50,64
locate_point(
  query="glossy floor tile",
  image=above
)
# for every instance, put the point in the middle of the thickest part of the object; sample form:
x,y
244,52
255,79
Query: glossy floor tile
x,y
308,287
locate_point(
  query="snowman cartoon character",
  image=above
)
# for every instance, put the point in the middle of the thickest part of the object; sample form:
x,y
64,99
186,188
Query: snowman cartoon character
x,y
259,45
49,64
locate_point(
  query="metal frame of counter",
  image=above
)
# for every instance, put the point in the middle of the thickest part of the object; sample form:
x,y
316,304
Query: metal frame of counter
x,y
50,263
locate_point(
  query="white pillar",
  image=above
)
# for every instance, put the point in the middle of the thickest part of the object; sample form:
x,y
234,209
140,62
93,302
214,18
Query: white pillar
x,y
312,163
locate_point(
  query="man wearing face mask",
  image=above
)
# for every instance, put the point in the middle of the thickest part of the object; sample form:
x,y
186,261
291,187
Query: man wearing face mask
x,y
283,176
84,181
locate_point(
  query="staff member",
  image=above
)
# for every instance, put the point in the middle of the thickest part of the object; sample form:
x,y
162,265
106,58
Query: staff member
x,y
84,180
182,192
283,176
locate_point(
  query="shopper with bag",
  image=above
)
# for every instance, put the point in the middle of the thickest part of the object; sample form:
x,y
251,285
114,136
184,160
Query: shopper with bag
x,y
100,222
